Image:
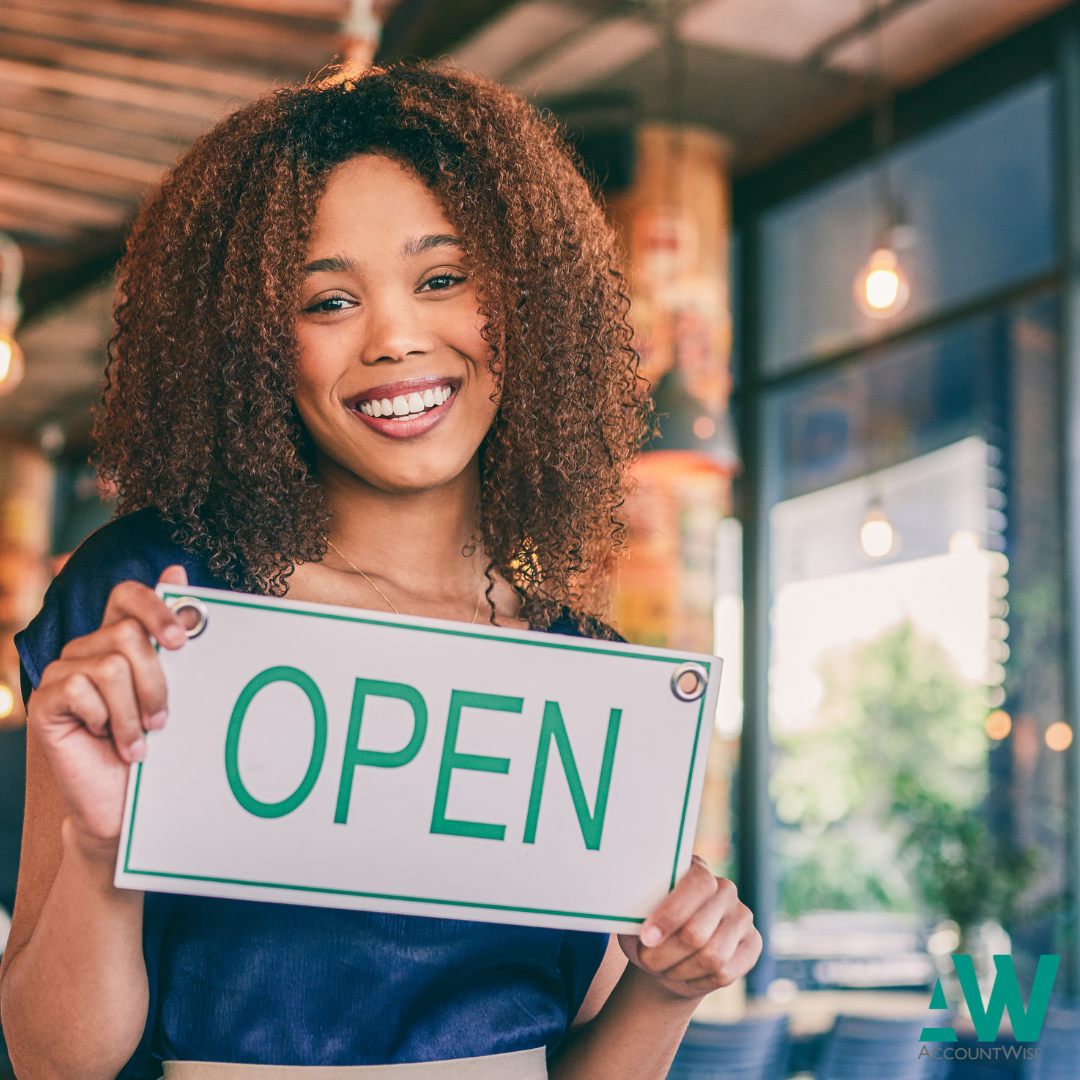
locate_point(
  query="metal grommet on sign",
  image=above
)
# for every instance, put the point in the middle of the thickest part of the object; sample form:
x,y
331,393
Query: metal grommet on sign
x,y
189,603
688,681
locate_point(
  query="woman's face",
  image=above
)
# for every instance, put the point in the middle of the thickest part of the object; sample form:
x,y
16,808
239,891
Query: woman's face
x,y
393,382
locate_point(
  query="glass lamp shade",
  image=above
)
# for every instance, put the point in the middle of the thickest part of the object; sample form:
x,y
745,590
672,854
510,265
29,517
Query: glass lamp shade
x,y
881,286
876,536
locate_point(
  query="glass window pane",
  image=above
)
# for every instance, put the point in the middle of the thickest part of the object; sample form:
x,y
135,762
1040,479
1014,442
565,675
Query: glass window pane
x,y
977,194
915,397
917,654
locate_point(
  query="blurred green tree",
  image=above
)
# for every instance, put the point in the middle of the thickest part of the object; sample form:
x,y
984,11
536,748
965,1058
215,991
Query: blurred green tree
x,y
882,793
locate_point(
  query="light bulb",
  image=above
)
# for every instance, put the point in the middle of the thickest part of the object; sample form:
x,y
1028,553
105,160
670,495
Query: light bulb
x,y
7,701
881,287
704,427
11,363
1059,736
876,534
998,725
963,542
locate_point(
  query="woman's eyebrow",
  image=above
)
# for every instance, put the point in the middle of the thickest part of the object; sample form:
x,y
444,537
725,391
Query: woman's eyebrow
x,y
336,264
419,244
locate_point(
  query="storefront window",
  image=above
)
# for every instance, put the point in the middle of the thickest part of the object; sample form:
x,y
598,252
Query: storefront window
x,y
975,199
917,649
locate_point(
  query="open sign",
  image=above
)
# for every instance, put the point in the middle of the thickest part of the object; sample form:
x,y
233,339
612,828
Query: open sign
x,y
321,755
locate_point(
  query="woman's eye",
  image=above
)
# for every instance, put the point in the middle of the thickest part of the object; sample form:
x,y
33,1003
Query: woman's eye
x,y
330,303
442,281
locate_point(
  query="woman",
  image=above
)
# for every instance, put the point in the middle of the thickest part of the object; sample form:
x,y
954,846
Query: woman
x,y
371,350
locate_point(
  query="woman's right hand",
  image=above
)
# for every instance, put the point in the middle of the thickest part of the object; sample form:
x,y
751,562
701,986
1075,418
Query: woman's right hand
x,y
96,702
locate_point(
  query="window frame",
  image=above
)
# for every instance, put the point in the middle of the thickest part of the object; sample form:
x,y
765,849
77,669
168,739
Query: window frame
x,y
1051,46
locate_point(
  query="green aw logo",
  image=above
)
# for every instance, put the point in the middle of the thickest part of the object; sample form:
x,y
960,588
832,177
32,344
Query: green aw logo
x,y
1026,1024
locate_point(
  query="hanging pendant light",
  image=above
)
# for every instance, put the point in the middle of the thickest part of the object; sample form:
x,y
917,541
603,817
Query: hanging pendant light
x,y
11,357
881,287
876,537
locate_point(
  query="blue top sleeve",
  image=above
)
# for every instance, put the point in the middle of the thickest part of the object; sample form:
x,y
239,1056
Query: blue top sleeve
x,y
132,548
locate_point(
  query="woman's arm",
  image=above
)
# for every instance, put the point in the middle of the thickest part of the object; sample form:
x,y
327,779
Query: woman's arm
x,y
699,939
74,989
74,993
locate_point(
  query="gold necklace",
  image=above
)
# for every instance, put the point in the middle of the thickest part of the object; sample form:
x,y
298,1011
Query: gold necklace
x,y
386,598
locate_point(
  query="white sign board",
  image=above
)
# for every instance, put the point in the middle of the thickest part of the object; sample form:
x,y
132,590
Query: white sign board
x,y
322,755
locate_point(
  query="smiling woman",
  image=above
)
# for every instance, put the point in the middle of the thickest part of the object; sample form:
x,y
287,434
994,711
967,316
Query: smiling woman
x,y
199,419
371,350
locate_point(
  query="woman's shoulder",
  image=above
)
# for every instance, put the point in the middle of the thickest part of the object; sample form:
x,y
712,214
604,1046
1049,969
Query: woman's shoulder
x,y
588,626
134,547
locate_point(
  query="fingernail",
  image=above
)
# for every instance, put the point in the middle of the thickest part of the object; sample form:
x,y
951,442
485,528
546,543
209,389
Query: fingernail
x,y
137,750
650,935
174,636
157,721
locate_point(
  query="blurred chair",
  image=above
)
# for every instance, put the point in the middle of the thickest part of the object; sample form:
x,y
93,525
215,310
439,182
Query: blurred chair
x,y
1059,1046
861,1048
750,1050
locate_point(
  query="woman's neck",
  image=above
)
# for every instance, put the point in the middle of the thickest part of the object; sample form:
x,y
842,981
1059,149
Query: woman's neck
x,y
414,540
415,553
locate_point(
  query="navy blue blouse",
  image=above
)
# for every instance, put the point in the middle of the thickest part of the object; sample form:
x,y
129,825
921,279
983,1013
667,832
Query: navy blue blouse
x,y
277,984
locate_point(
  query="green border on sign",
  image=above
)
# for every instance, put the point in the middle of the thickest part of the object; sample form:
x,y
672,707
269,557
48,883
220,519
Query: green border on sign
x,y
422,899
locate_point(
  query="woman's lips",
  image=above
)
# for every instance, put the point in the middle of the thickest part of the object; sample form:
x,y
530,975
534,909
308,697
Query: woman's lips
x,y
405,409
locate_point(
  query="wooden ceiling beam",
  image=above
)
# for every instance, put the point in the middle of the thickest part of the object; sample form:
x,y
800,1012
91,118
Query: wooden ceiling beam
x,y
47,155
230,27
329,10
27,229
75,181
115,90
131,145
281,55
134,120
43,50
64,207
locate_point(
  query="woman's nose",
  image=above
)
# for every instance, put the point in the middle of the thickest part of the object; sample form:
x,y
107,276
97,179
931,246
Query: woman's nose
x,y
393,330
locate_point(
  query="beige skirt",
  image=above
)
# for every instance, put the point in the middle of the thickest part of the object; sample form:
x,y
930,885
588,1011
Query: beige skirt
x,y
523,1065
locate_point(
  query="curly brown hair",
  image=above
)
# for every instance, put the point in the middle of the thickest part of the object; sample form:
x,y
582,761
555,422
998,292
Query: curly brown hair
x,y
197,418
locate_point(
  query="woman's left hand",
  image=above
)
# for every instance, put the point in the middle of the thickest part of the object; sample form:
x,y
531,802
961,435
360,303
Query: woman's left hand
x,y
700,938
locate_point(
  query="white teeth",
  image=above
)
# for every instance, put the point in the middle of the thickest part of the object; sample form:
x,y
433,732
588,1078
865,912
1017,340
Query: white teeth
x,y
405,405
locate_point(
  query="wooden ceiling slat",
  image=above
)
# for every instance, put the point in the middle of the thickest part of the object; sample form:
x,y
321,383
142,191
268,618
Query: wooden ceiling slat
x,y
68,178
275,58
116,90
138,120
99,97
67,208
36,230
125,143
47,154
185,76
200,24
329,10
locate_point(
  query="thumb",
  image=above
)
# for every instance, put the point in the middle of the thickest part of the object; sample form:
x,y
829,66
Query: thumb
x,y
173,575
